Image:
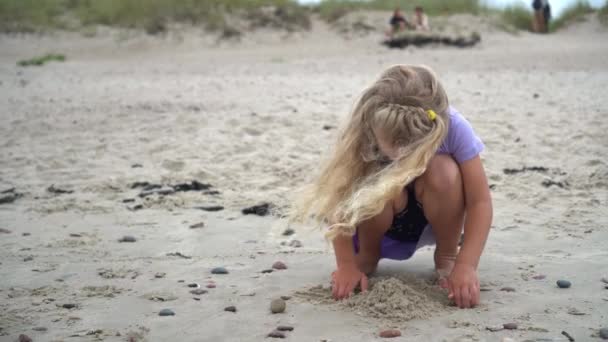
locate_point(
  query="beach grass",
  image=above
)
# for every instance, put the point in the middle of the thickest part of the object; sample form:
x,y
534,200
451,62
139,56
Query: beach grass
x,y
41,60
572,14
517,16
603,14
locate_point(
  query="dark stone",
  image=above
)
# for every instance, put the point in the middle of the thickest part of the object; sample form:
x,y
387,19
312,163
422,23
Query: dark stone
x,y
548,183
295,243
198,292
197,225
288,232
10,197
192,186
328,127
127,238
267,271
52,189
136,207
390,333
40,329
563,284
535,96
277,306
260,209
5,231
68,306
276,334
284,328
28,258
230,308
508,289
128,200
194,285
279,265
219,270
211,208
604,333
179,254
24,338
26,234
525,169
75,235
285,297
510,326
136,166
160,275
166,312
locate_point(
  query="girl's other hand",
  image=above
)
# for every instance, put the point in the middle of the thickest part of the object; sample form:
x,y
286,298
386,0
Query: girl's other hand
x,y
345,279
463,286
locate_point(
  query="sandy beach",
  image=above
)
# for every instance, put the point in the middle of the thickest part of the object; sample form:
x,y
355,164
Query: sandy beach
x,y
216,127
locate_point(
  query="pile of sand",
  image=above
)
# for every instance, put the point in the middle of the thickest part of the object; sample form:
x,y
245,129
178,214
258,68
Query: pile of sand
x,y
391,299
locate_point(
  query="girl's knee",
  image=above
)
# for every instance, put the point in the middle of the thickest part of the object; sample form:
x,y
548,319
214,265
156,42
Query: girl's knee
x,y
442,175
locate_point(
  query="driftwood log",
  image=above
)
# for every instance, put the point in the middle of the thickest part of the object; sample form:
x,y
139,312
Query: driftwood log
x,y
404,39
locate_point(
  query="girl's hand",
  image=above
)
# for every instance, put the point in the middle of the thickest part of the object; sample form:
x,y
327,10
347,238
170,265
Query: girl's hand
x,y
345,279
463,286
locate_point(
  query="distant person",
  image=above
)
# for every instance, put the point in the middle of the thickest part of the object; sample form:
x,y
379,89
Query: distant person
x,y
398,23
421,21
406,173
547,14
538,23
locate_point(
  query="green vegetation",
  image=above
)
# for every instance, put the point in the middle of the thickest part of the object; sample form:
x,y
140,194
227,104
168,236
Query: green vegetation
x,y
572,14
38,61
151,15
332,10
603,14
154,16
518,17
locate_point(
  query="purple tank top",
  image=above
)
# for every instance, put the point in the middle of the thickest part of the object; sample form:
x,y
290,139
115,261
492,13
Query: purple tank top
x,y
461,142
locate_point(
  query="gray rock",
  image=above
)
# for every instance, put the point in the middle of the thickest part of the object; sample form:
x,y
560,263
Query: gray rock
x,y
285,297
127,238
277,306
198,292
24,338
285,328
604,333
295,243
40,329
288,232
231,308
276,334
510,326
194,285
508,289
279,265
219,270
166,312
563,284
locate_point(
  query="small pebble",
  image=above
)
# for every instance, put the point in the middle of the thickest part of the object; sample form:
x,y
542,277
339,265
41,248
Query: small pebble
x,y
198,292
40,329
166,312
563,284
210,286
539,277
284,328
127,238
267,271
219,270
160,275
285,297
28,258
390,333
510,326
197,225
276,334
26,234
194,285
288,232
604,333
68,306
277,306
295,243
279,265
605,280
181,281
75,235
230,308
5,231
24,338
508,289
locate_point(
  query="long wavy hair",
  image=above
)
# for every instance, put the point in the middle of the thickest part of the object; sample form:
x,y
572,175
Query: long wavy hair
x,y
357,181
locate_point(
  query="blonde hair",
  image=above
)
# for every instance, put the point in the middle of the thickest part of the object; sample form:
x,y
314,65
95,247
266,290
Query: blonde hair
x,y
353,186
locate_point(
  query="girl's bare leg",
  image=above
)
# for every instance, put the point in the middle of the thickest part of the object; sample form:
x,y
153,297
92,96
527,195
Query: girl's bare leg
x,y
441,193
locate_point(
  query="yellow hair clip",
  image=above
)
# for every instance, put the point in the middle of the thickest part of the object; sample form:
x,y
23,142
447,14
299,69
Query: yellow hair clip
x,y
432,114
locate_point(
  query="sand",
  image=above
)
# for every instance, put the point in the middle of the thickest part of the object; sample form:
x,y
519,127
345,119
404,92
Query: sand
x,y
247,117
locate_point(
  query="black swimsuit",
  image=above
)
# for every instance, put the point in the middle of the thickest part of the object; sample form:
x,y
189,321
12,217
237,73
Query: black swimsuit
x,y
408,224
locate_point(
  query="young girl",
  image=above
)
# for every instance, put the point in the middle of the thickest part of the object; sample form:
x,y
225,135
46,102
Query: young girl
x,y
405,173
